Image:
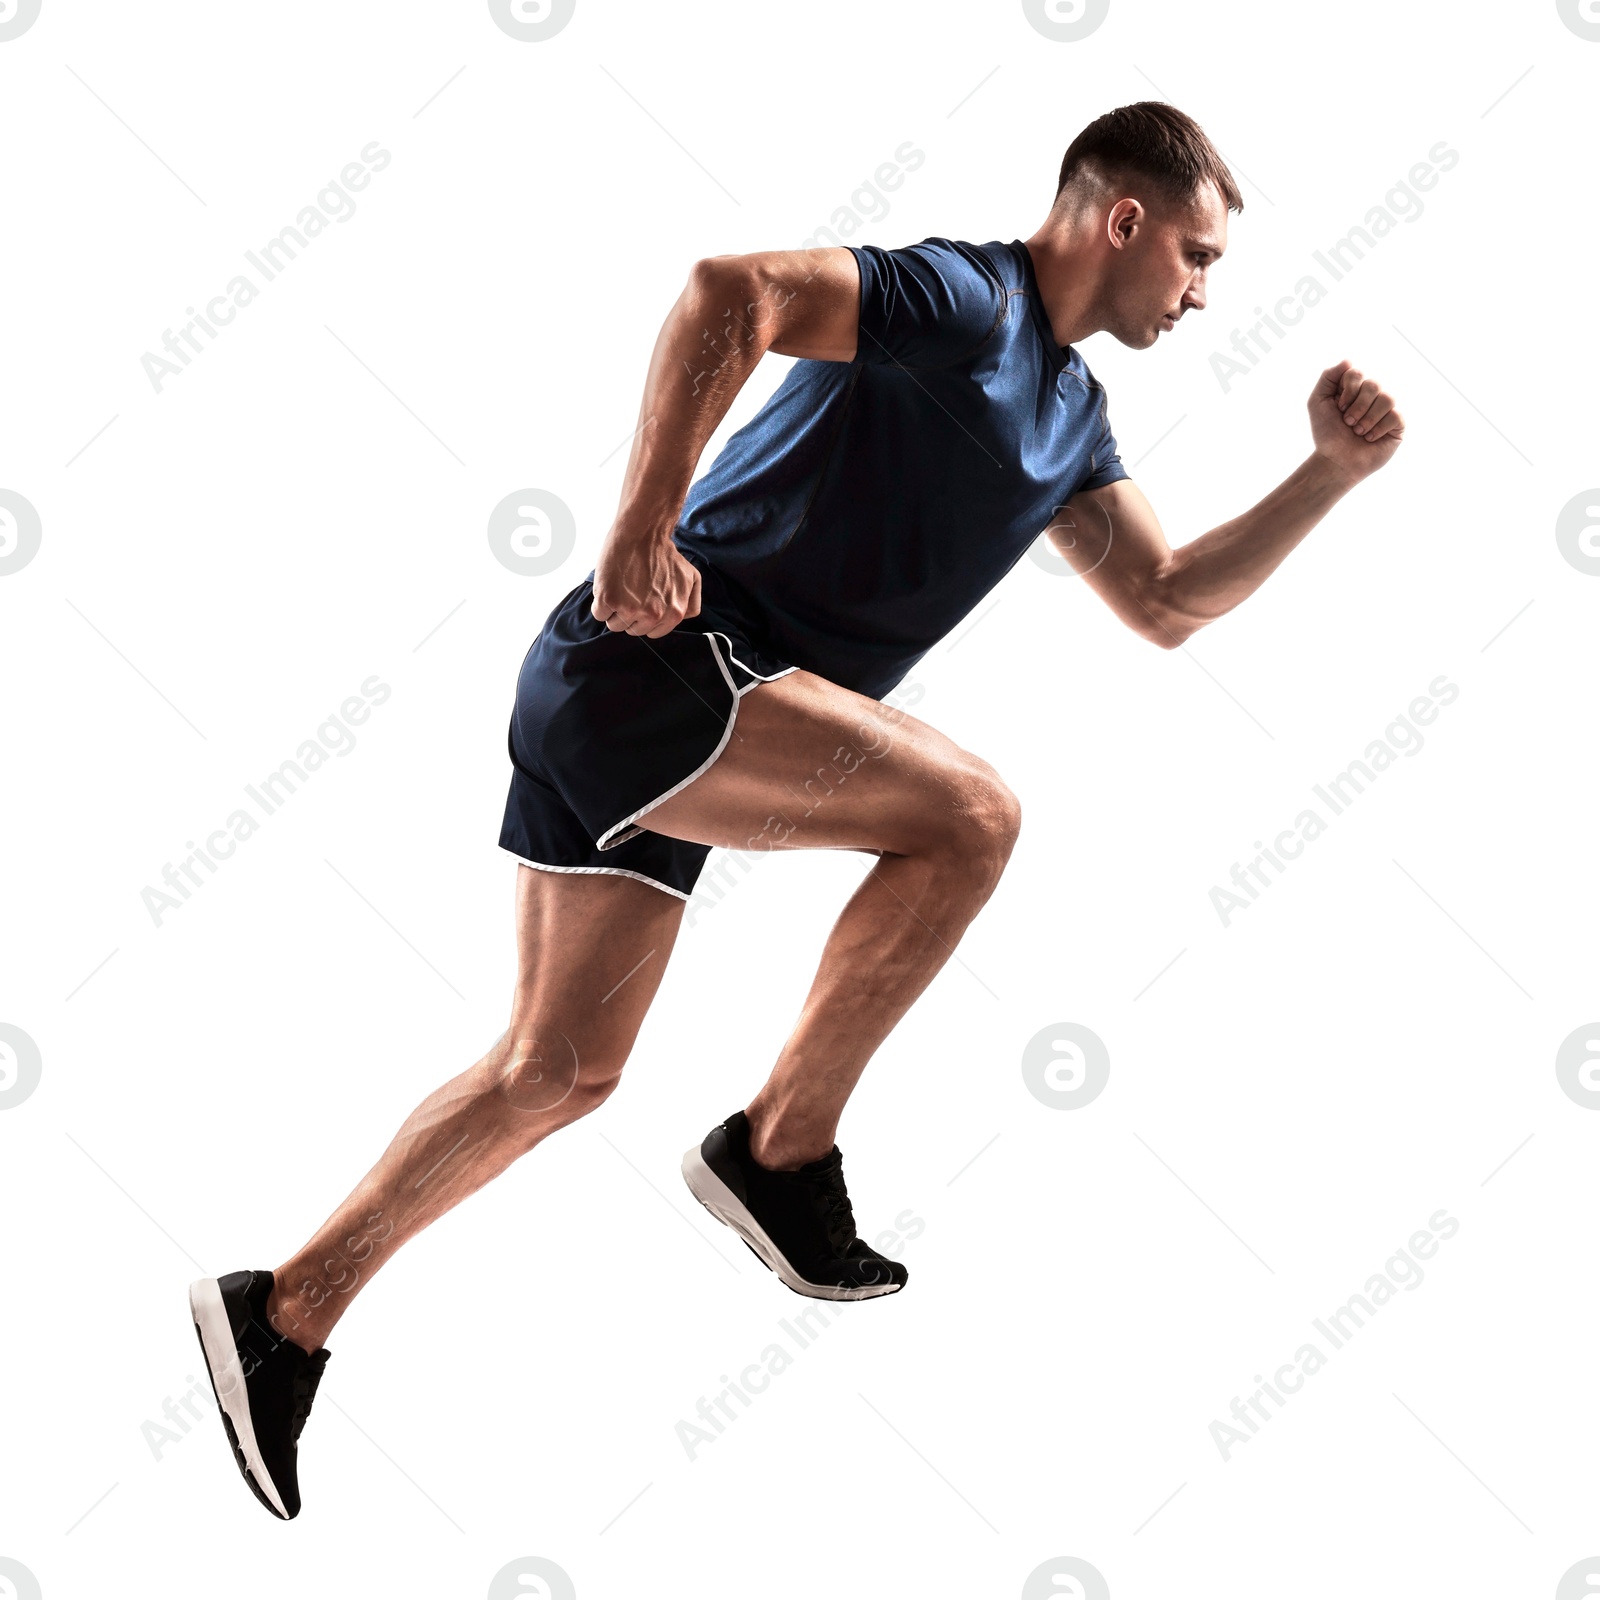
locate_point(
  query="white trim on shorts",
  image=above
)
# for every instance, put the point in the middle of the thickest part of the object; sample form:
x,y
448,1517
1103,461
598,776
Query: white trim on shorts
x,y
614,872
757,676
758,680
727,733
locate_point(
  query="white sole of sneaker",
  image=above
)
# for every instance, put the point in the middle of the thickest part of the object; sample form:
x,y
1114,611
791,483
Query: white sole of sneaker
x,y
729,1210
227,1380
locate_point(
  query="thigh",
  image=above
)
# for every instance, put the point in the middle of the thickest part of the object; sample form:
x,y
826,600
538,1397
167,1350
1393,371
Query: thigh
x,y
591,952
811,765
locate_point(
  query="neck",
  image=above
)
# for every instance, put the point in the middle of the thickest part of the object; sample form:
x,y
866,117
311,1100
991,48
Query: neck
x,y
1063,269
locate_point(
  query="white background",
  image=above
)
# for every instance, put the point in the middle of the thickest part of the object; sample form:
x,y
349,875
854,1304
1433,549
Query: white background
x,y
1291,1099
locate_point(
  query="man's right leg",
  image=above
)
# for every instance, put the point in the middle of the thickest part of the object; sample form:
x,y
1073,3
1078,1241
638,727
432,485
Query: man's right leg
x,y
591,951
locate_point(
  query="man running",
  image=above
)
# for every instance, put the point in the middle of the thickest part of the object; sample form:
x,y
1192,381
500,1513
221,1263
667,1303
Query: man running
x,y
716,683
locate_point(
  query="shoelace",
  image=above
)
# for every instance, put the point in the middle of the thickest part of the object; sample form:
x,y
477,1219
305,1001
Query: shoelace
x,y
833,1201
308,1374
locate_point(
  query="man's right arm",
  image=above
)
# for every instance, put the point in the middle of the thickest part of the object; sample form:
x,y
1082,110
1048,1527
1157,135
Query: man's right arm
x,y
734,309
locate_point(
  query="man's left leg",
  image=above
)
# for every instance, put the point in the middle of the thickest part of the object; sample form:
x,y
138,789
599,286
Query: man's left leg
x,y
813,765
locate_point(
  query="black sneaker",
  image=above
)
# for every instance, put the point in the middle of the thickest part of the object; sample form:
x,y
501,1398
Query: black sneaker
x,y
264,1383
798,1223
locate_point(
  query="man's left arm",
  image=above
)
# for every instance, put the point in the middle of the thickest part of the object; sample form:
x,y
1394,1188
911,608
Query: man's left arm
x,y
1113,539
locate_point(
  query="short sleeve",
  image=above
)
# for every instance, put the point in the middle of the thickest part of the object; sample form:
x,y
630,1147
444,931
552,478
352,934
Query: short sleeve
x,y
927,305
1105,466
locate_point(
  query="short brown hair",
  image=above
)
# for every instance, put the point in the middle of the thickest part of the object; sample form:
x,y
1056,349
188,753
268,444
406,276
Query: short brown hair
x,y
1149,140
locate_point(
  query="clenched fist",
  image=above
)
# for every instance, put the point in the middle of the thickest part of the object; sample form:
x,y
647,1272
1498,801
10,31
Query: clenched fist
x,y
643,586
1354,423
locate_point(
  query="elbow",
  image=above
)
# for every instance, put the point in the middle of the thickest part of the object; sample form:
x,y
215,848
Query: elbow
x,y
707,277
1162,620
719,278
729,298
1173,630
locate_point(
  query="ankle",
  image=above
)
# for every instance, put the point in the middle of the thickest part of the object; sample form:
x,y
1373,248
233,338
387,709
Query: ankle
x,y
784,1145
290,1319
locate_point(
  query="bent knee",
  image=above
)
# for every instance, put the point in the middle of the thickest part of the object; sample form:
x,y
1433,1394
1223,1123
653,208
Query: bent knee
x,y
1002,812
983,818
541,1073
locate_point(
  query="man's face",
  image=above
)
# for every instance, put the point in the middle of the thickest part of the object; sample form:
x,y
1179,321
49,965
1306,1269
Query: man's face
x,y
1160,274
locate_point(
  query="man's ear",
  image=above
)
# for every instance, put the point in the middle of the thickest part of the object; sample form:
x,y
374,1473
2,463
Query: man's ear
x,y
1123,221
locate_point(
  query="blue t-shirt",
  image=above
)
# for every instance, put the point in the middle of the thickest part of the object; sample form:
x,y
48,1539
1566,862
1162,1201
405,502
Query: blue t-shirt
x,y
871,504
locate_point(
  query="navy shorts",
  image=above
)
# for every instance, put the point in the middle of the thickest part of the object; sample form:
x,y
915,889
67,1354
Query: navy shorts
x,y
607,725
